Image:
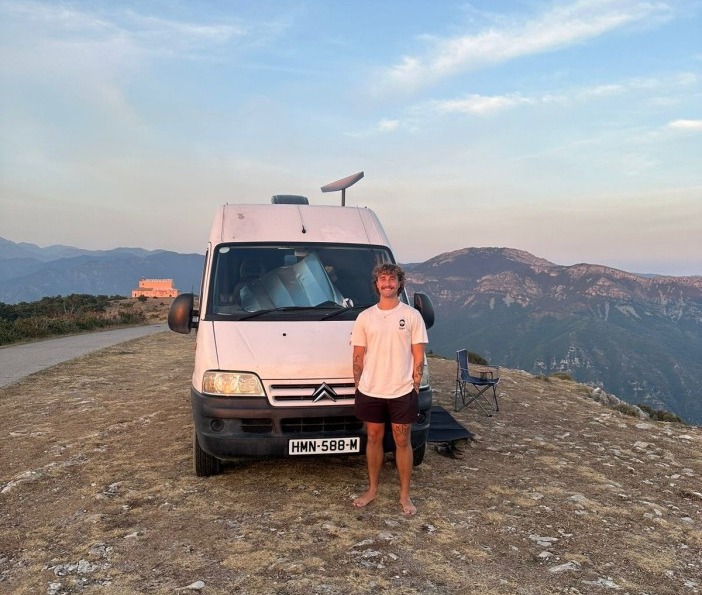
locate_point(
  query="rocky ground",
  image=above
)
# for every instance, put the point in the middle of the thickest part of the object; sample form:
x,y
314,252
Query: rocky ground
x,y
557,494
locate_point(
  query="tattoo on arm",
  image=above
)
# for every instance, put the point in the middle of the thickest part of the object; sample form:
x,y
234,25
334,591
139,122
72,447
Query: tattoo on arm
x,y
417,376
418,357
357,367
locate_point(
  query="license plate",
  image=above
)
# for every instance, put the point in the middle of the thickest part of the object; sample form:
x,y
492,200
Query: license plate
x,y
323,446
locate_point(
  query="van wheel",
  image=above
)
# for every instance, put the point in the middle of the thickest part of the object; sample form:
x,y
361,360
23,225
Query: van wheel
x,y
204,463
418,455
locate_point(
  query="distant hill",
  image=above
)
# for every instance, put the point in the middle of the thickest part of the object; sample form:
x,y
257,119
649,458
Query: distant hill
x,y
639,337
28,272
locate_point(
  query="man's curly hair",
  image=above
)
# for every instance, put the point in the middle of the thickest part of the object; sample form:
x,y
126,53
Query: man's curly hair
x,y
389,269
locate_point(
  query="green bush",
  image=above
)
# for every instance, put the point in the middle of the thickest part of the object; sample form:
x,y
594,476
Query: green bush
x,y
60,315
563,376
474,358
647,408
626,409
660,415
129,315
669,417
33,327
8,333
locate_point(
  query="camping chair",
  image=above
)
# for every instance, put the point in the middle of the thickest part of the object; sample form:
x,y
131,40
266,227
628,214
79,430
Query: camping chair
x,y
475,388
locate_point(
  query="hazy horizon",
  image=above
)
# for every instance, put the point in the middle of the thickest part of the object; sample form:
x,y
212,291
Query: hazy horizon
x,y
571,129
406,262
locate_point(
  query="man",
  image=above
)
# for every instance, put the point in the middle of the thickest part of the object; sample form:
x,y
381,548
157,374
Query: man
x,y
388,357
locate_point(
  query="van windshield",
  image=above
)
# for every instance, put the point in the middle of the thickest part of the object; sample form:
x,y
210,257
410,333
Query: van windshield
x,y
292,281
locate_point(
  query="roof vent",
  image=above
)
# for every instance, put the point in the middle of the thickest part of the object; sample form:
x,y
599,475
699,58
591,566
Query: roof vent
x,y
289,199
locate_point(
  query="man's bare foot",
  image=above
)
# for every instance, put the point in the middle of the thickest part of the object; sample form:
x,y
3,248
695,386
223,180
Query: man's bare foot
x,y
366,499
408,508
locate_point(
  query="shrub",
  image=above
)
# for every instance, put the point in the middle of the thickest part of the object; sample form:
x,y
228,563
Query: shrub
x,y
60,326
563,376
8,333
129,315
474,358
32,327
60,315
669,417
647,409
626,409
660,415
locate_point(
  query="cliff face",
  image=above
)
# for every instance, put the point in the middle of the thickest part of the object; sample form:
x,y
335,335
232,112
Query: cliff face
x,y
638,337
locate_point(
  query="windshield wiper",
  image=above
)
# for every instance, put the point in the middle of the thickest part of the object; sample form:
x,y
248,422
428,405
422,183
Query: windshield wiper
x,y
323,306
327,305
345,310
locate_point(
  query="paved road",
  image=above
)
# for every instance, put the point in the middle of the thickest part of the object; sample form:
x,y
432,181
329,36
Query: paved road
x,y
18,361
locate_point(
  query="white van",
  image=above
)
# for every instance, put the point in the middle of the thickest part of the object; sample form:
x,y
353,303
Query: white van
x,y
282,286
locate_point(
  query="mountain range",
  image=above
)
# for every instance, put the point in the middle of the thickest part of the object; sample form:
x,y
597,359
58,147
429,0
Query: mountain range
x,y
29,273
638,337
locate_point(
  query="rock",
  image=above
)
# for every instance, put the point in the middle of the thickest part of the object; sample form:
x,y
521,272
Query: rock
x,y
543,541
607,583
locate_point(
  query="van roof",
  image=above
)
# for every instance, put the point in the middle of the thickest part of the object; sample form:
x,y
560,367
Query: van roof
x,y
297,223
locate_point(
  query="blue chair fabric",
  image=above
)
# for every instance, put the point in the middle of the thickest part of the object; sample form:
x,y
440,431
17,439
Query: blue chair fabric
x,y
479,388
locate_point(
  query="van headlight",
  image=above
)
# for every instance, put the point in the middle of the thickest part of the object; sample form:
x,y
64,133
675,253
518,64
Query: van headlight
x,y
232,384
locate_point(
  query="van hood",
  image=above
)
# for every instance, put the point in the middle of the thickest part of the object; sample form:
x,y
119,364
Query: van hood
x,y
281,350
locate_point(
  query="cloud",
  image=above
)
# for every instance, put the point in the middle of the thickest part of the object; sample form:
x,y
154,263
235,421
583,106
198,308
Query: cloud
x,y
481,104
184,33
383,126
561,27
59,38
92,55
388,125
694,125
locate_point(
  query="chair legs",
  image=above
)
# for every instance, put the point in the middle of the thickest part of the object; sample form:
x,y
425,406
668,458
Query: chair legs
x,y
465,396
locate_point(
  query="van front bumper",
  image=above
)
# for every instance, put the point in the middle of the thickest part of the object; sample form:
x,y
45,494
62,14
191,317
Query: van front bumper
x,y
231,428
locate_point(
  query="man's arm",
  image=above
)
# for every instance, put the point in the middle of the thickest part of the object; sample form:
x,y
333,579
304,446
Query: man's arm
x,y
359,354
417,364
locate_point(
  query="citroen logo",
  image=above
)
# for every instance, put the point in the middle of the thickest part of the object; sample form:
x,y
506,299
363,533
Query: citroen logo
x,y
324,391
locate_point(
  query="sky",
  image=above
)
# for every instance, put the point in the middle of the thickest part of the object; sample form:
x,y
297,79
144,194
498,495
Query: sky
x,y
568,129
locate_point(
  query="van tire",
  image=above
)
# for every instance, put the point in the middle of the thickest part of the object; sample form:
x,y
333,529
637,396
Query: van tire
x,y
204,463
418,455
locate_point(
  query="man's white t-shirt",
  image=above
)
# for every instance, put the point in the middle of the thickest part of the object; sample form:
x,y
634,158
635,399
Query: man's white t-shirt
x,y
388,336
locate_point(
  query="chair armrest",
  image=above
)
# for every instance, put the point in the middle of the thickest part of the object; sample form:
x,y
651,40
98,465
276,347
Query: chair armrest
x,y
485,372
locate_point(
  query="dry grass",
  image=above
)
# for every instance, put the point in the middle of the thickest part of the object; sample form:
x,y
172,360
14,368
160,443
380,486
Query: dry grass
x,y
97,494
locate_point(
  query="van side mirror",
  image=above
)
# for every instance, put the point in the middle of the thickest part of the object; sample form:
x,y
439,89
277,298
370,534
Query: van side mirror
x,y
422,302
181,315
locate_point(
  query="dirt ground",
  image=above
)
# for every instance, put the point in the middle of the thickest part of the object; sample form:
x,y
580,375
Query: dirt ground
x,y
557,494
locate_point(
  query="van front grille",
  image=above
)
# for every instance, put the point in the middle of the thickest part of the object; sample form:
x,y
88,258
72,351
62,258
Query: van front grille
x,y
298,425
257,426
312,392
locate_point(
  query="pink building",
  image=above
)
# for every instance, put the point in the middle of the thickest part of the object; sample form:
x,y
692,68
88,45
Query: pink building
x,y
161,288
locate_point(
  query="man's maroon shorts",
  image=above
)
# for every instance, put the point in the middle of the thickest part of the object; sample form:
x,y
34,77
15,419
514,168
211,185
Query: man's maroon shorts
x,y
399,410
